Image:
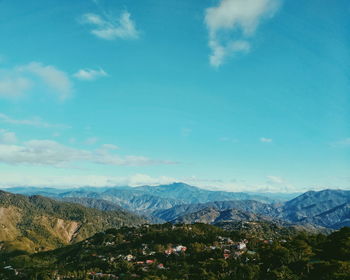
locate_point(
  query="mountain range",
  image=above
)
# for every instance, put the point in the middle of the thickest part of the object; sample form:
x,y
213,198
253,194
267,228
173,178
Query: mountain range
x,y
327,208
101,208
243,205
146,199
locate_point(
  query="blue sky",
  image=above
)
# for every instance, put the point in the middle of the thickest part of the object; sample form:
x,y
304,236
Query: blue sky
x,y
231,94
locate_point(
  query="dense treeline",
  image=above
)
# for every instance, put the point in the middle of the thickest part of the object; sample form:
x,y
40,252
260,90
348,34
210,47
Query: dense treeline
x,y
199,251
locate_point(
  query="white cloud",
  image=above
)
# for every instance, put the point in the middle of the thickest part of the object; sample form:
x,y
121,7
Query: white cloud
x,y
7,137
17,81
220,52
265,140
52,153
186,131
240,185
30,122
35,177
90,74
109,147
275,179
40,152
110,28
54,78
342,143
228,139
14,87
91,140
232,22
42,180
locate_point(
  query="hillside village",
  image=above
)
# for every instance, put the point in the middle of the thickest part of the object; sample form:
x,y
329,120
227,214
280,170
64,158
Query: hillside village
x,y
168,251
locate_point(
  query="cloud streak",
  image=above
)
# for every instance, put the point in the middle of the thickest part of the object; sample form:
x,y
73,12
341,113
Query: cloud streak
x,y
52,153
232,23
14,87
342,143
42,180
54,78
36,122
111,28
16,82
265,140
89,74
7,137
274,180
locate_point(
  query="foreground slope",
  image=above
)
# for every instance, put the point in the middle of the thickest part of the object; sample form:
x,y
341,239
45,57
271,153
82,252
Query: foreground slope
x,y
199,251
37,223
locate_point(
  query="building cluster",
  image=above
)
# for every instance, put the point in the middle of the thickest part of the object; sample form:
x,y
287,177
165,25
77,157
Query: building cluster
x,y
102,275
175,250
10,268
231,248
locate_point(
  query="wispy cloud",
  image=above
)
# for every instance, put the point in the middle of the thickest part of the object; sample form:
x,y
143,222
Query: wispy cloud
x,y
186,131
89,74
16,82
91,140
7,137
52,153
110,28
274,180
228,139
42,180
232,23
30,122
54,78
14,87
341,143
265,140
109,147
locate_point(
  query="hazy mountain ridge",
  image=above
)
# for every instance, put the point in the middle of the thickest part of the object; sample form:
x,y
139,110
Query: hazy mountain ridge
x,y
146,199
213,216
337,217
99,204
243,205
325,208
191,194
314,203
244,220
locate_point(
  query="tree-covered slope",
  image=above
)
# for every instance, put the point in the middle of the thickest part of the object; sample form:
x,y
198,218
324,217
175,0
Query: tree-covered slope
x,y
327,208
37,223
183,252
252,206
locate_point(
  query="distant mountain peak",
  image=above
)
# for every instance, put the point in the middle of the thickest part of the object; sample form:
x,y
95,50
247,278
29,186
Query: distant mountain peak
x,y
176,185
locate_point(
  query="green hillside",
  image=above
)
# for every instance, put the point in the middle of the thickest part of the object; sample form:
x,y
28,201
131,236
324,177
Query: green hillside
x,y
198,251
36,223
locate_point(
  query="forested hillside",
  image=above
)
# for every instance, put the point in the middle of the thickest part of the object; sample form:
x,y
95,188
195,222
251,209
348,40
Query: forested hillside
x,y
198,251
37,223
